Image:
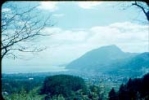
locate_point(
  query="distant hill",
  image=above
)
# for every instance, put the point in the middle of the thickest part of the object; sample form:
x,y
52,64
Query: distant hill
x,y
109,59
137,65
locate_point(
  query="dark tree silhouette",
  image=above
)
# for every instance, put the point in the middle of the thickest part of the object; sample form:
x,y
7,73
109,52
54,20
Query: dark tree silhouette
x,y
112,95
145,86
134,89
19,27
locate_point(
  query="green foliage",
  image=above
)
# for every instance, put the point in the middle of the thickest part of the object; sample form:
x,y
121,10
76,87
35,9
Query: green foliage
x,y
23,95
62,84
65,87
95,93
14,84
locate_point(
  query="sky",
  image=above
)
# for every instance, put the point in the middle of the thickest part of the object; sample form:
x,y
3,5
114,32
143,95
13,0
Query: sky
x,y
79,27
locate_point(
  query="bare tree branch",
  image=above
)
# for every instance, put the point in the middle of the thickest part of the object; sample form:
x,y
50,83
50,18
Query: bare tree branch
x,y
20,27
143,9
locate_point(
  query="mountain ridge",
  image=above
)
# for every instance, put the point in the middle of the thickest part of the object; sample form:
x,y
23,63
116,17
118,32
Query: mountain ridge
x,y
98,56
108,59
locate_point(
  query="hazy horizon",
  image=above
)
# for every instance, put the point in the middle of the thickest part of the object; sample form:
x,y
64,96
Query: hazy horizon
x,y
45,68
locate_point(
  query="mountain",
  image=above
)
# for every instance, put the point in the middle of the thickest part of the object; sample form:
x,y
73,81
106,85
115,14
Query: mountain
x,y
139,61
111,60
137,65
100,59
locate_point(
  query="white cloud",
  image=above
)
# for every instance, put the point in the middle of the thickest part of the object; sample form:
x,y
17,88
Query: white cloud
x,y
128,26
88,4
70,44
6,9
126,35
50,6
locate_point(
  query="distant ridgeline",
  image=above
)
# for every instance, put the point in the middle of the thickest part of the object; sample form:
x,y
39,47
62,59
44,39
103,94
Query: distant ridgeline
x,y
111,60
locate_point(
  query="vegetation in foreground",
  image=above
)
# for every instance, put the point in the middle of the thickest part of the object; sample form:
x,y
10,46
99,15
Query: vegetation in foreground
x,y
68,87
134,89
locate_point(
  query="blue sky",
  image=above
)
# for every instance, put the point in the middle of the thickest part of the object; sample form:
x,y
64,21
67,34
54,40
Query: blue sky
x,y
81,27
